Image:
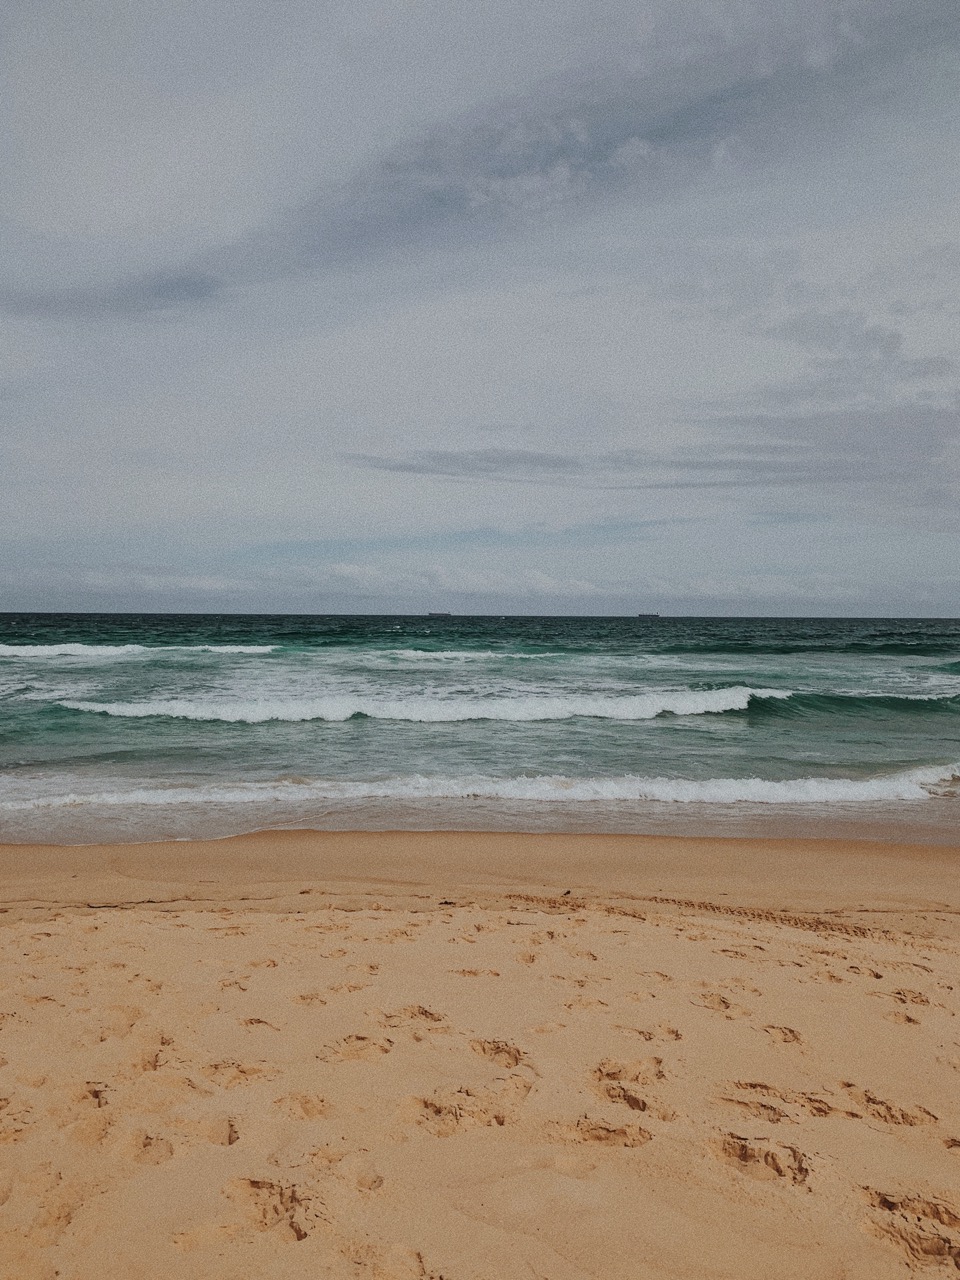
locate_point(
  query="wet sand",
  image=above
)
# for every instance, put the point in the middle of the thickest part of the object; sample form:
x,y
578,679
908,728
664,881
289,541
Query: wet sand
x,y
478,1057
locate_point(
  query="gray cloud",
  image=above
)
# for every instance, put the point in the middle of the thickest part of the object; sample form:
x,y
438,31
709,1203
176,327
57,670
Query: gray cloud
x,y
160,291
897,446
483,464
692,106
521,466
852,358
831,447
842,331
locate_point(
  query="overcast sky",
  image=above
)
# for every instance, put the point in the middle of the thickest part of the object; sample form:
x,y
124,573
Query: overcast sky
x,y
574,306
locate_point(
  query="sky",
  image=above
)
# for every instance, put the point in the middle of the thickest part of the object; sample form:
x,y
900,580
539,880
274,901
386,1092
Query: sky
x,y
571,307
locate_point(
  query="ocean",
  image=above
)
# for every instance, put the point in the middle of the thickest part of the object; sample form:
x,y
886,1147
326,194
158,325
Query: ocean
x,y
119,726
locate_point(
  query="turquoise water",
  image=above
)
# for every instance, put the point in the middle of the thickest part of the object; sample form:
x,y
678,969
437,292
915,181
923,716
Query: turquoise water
x,y
123,726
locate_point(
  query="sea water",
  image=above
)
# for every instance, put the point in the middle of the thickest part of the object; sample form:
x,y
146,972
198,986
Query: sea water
x,y
116,727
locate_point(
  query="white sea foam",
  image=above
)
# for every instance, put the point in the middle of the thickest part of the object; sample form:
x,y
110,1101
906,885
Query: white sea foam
x,y
122,650
292,795
464,655
69,650
520,707
229,648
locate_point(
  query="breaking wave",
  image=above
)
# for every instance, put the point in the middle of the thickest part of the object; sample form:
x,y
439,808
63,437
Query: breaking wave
x,y
860,704
529,707
906,785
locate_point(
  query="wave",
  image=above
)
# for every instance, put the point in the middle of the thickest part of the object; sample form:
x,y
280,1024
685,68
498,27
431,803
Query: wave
x,y
122,650
9,689
913,637
529,707
226,648
644,706
806,645
861,703
906,785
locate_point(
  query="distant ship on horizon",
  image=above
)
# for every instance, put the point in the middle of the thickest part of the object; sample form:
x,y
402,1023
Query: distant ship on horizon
x,y
648,615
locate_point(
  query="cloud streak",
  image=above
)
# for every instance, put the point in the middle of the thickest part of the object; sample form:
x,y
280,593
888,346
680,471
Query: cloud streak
x,y
830,447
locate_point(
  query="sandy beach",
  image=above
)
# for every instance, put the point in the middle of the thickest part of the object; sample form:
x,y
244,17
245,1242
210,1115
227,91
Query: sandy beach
x,y
478,1057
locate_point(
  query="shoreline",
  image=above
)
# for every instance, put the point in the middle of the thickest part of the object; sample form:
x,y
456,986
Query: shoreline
x,y
932,821
805,874
457,1055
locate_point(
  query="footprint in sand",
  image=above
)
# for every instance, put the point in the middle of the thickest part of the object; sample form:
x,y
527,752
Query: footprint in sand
x,y
767,1102
924,1228
784,1035
415,1017
719,1003
396,1263
447,1112
230,1075
287,1210
302,1106
356,1048
14,1119
149,1148
583,1002
662,1032
903,995
115,1023
623,1082
602,1133
58,1207
221,1130
501,1052
887,1112
760,1159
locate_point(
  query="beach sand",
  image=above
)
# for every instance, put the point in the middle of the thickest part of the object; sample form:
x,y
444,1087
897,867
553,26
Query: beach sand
x,y
479,1057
